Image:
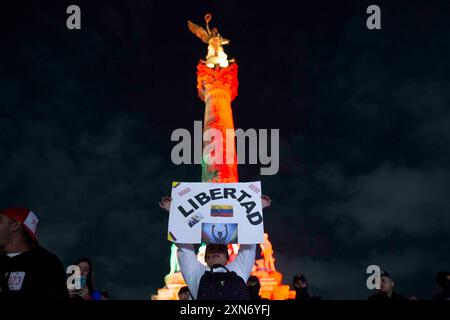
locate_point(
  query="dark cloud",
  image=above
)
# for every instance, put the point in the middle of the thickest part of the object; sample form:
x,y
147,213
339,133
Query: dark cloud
x,y
327,279
368,168
393,199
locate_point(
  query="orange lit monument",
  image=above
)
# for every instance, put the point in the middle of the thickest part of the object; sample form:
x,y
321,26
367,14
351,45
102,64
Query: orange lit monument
x,y
217,85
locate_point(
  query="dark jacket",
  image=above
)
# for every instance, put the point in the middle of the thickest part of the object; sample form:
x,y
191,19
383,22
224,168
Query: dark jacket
x,y
34,274
383,296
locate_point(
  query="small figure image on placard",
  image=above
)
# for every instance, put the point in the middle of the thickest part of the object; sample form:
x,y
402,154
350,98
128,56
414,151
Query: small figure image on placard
x,y
195,219
219,232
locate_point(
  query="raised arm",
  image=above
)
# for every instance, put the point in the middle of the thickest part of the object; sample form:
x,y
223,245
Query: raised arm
x,y
191,269
244,261
165,203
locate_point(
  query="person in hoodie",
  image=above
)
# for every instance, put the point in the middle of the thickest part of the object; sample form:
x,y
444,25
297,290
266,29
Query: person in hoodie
x,y
301,287
254,286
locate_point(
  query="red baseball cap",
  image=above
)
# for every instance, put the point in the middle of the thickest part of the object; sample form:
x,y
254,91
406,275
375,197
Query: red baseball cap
x,y
28,219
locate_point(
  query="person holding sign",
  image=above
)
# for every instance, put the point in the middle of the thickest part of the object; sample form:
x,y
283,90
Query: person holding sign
x,y
219,279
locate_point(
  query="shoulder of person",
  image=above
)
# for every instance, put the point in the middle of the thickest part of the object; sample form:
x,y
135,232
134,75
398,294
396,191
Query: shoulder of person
x,y
43,253
441,296
397,296
377,296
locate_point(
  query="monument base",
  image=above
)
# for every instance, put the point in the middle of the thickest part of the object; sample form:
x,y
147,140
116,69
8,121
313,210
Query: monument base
x,y
271,286
174,282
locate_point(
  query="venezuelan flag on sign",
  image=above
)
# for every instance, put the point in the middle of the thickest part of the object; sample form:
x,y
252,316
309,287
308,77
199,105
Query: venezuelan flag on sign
x,y
221,210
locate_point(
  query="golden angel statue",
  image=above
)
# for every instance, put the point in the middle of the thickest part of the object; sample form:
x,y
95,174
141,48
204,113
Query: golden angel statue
x,y
216,54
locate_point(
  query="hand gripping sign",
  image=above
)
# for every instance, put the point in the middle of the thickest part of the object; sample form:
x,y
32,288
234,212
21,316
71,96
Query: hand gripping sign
x,y
216,213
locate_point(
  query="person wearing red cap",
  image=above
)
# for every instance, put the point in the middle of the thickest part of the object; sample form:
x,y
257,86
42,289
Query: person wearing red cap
x,y
27,271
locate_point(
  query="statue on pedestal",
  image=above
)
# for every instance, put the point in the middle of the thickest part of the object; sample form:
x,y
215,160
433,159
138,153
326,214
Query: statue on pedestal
x,y
216,55
267,253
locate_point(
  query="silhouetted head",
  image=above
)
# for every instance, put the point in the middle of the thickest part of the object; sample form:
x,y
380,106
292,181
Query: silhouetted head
x,y
443,280
299,281
300,284
184,293
387,284
254,286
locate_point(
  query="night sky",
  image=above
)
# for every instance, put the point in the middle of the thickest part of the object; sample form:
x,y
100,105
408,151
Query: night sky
x,y
364,118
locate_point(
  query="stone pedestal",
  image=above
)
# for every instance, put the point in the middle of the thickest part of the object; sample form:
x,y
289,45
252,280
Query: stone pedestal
x,y
174,282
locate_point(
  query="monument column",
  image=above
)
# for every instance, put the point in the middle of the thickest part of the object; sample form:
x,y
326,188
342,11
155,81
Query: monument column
x,y
218,88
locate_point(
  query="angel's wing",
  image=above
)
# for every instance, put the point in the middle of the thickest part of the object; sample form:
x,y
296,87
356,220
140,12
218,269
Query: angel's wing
x,y
198,31
224,41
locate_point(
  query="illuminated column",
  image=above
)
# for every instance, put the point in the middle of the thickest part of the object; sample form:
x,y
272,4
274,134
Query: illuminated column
x,y
217,88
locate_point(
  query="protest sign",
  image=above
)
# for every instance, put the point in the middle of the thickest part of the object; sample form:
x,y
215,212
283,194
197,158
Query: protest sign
x,y
216,213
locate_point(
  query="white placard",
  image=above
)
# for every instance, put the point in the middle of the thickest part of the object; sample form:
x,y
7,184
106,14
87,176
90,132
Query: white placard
x,y
216,213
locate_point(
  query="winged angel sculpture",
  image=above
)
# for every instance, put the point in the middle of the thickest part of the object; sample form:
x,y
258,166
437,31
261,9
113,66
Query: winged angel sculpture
x,y
212,37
